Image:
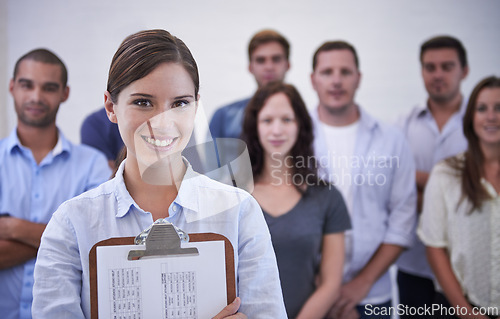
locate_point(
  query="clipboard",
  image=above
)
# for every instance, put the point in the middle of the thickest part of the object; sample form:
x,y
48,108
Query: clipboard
x,y
169,251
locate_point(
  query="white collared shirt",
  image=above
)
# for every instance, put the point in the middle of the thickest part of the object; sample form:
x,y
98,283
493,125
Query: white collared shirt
x,y
382,173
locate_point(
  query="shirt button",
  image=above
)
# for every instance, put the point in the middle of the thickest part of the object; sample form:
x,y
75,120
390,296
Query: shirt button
x,y
174,208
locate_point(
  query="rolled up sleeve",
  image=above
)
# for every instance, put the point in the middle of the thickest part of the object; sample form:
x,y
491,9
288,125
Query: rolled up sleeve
x,y
403,199
58,273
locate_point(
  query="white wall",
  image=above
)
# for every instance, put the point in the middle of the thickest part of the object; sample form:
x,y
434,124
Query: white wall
x,y
3,68
386,33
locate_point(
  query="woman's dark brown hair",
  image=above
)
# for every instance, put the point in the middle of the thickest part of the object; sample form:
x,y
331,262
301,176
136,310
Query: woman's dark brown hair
x,y
471,167
303,148
141,53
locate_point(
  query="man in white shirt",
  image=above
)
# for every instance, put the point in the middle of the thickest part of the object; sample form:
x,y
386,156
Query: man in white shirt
x,y
372,166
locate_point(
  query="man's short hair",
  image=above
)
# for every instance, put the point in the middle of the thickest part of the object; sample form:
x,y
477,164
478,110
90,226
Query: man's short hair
x,y
44,56
335,45
266,36
445,42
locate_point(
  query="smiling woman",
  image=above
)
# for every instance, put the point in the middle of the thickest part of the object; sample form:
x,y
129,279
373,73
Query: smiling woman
x,y
152,95
460,220
155,116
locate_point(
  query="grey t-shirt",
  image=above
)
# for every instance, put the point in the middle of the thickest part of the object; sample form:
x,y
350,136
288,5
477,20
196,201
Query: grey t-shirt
x,y
297,237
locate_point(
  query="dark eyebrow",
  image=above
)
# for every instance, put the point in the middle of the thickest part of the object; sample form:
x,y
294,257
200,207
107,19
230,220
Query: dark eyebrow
x,y
21,80
183,97
151,96
52,84
142,94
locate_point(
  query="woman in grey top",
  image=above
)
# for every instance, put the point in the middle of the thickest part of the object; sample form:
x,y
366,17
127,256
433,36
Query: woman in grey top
x,y
306,216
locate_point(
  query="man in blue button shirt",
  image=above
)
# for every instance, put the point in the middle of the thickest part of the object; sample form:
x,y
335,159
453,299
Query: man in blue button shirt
x,y
268,53
434,132
372,166
100,133
39,169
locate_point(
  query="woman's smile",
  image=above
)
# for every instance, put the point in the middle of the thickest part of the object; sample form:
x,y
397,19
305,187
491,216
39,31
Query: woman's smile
x,y
158,142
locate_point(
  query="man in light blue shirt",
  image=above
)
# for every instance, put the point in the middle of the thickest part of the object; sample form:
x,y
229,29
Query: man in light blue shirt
x,y
39,169
268,53
371,164
434,132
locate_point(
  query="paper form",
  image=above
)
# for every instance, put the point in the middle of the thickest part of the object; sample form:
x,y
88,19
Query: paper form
x,y
185,287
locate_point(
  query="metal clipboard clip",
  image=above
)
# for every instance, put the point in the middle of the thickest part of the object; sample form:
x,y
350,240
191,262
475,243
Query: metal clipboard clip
x,y
162,239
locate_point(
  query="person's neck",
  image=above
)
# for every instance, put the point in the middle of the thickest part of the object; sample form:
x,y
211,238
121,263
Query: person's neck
x,y
276,170
445,108
491,165
151,196
342,116
491,154
40,140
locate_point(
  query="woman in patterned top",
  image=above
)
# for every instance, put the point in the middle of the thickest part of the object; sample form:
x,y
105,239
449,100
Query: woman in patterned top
x,y
460,223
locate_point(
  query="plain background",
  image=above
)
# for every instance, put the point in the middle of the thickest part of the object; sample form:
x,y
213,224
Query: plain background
x,y
386,33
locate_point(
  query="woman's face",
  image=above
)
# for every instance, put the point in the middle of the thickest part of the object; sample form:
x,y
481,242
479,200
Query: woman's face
x,y
155,115
277,126
487,116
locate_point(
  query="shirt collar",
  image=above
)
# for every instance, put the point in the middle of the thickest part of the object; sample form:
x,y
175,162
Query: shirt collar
x,y
198,196
365,119
489,188
463,107
123,198
13,140
62,145
201,197
186,196
424,110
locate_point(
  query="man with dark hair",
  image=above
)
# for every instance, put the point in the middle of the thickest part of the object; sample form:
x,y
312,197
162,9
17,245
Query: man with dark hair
x,y
371,165
268,54
39,170
434,131
445,42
